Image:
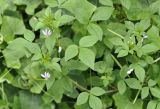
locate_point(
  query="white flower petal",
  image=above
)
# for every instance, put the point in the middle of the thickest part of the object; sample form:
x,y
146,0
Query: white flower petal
x,y
47,32
45,75
144,35
129,71
42,75
59,49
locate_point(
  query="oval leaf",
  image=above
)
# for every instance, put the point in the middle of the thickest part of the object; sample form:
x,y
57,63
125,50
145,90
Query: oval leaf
x,y
82,98
88,41
97,91
71,52
87,57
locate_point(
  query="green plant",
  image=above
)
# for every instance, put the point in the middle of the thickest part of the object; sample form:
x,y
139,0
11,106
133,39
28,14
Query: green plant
x,y
81,54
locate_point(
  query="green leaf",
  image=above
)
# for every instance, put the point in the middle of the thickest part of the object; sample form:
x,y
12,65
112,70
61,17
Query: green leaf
x,y
29,35
106,2
95,30
55,92
50,43
20,48
100,66
129,25
76,65
6,76
102,13
158,106
82,12
65,19
152,83
37,87
61,1
152,104
95,102
149,48
97,91
137,105
6,5
133,83
140,72
122,87
71,52
153,34
144,92
82,98
88,41
155,92
11,26
31,5
142,25
51,3
87,57
122,53
29,100
116,41
56,66
120,100
126,3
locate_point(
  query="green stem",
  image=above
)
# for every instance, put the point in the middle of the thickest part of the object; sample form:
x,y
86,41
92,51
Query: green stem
x,y
156,60
111,91
4,96
90,75
43,89
80,87
135,99
5,73
117,62
115,33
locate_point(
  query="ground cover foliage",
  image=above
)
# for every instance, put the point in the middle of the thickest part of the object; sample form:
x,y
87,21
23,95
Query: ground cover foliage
x,y
79,54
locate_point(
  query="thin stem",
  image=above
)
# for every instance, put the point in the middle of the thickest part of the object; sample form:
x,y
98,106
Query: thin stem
x,y
5,73
4,96
79,86
117,62
115,33
90,75
135,99
43,89
156,60
111,91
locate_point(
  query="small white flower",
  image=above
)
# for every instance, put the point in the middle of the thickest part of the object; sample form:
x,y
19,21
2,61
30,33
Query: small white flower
x,y
144,35
46,75
59,49
129,71
47,32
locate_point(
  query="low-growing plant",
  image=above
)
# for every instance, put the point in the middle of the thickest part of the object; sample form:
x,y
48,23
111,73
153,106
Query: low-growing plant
x,y
79,54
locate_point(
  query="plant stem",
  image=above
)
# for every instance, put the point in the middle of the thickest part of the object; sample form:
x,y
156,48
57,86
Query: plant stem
x,y
4,97
79,86
117,62
136,96
43,89
115,33
111,91
156,60
5,73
